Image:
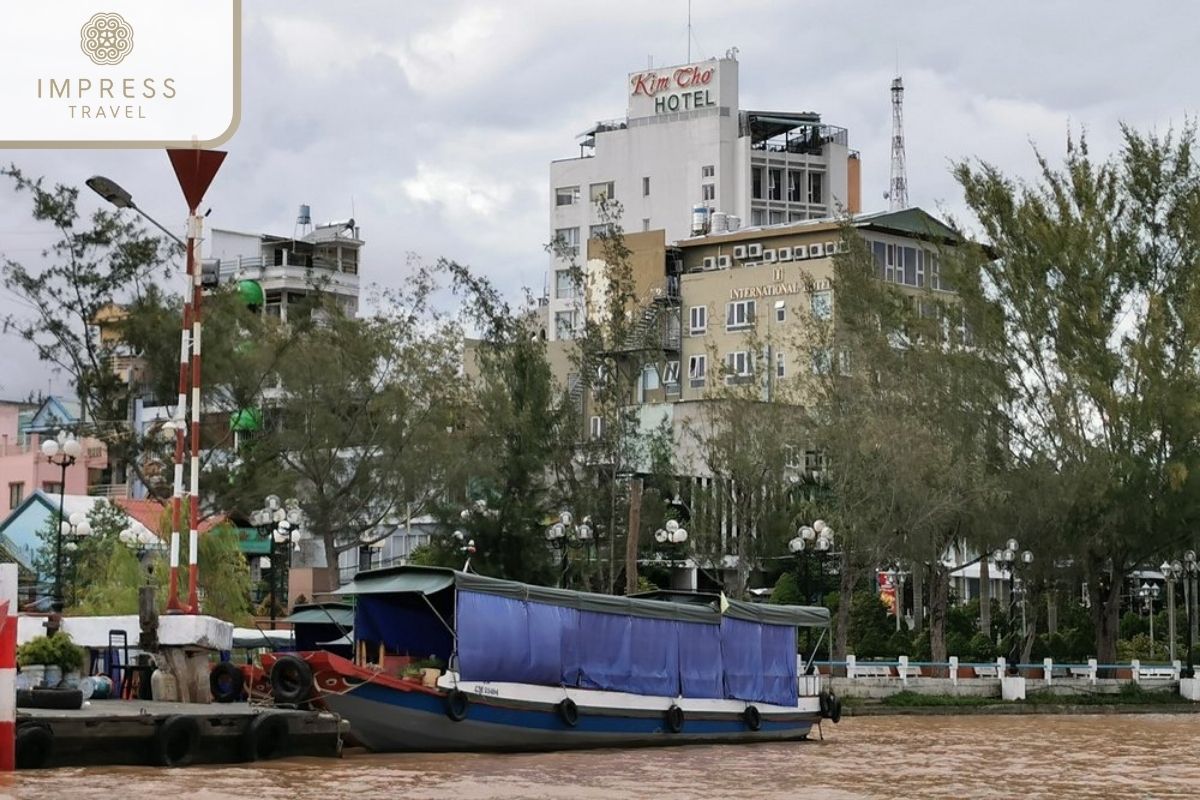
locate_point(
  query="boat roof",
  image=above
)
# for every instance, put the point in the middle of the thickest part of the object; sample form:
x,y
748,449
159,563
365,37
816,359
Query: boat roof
x,y
341,614
697,607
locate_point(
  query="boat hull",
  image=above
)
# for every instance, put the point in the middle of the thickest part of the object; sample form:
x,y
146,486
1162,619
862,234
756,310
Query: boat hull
x,y
390,715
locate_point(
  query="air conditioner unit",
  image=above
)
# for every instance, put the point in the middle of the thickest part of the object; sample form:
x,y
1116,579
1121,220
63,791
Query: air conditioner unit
x,y
739,251
800,252
724,262
754,250
829,249
816,250
768,256
784,254
710,262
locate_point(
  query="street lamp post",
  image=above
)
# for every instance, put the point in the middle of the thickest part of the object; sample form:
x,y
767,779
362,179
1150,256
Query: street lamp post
x,y
283,519
1149,593
73,528
1190,568
1008,559
61,452
817,538
140,542
563,534
1172,571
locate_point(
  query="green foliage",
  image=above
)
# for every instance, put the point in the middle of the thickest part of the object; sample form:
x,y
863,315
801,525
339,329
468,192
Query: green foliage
x,y
37,650
870,626
787,590
901,643
224,576
980,649
57,649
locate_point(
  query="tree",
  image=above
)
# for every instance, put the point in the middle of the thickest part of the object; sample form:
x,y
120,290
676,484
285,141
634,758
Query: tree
x,y
1098,340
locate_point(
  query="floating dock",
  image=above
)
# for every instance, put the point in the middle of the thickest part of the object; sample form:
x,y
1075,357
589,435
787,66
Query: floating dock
x,y
144,732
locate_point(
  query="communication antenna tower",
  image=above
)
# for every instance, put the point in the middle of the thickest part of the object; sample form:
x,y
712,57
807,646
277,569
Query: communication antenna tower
x,y
898,187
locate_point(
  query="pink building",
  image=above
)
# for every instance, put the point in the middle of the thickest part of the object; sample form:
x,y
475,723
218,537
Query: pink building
x,y
24,469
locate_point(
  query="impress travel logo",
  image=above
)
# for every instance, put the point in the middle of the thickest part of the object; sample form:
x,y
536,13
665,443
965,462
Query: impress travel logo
x,y
133,73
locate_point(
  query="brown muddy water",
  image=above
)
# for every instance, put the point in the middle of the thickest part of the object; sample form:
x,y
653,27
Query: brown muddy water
x,y
1100,756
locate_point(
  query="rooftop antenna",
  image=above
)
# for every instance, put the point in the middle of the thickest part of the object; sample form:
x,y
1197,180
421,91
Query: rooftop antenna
x,y
689,48
897,191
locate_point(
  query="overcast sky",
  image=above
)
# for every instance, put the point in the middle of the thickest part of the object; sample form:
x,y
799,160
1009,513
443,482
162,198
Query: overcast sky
x,y
434,123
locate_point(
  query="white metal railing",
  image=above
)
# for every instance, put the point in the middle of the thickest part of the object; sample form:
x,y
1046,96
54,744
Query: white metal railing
x,y
903,669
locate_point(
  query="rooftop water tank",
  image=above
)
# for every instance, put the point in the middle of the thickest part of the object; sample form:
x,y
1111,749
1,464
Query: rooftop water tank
x,y
305,215
733,222
699,220
720,222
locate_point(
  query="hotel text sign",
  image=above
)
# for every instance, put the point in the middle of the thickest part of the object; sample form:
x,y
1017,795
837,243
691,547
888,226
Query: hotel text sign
x,y
125,73
779,287
673,89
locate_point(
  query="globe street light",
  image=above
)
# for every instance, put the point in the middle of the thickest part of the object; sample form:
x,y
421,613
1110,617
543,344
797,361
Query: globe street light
x,y
1190,569
1149,593
817,538
62,452
1008,559
281,520
565,534
73,528
1172,571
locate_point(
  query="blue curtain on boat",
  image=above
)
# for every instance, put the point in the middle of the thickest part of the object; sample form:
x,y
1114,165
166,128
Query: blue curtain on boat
x,y
547,634
779,665
404,624
568,619
493,638
653,657
603,645
742,656
700,664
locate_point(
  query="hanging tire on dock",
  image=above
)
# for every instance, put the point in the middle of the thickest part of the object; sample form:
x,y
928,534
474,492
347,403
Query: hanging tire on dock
x,y
266,737
175,741
835,709
35,743
823,698
226,682
291,680
568,712
457,705
674,719
752,718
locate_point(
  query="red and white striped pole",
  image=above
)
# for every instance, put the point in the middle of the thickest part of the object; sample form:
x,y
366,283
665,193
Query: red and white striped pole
x,y
8,667
177,493
195,234
195,170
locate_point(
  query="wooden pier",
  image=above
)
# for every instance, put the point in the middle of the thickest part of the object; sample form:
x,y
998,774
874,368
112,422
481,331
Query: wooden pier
x,y
133,732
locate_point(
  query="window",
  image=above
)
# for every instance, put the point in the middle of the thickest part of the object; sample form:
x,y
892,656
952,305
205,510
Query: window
x,y
566,195
601,191
814,461
739,315
889,267
698,320
52,487
645,223
697,370
645,187
780,366
822,304
671,375
708,171
780,311
567,239
564,324
821,362
564,284
16,493
795,182
596,427
739,365
756,181
935,275
844,362
815,187
774,184
600,231
650,380
708,192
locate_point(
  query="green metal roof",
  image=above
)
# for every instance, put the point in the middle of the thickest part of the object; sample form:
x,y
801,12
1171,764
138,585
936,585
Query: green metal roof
x,y
912,221
341,614
431,580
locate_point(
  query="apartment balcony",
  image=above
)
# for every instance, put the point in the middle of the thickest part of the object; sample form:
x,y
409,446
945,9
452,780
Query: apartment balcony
x,y
321,273
110,491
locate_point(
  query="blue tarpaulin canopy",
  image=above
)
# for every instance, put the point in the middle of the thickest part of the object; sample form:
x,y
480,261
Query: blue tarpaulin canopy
x,y
508,631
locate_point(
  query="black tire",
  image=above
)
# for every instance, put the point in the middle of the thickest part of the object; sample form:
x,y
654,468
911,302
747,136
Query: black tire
x,y
568,712
835,709
674,719
60,699
34,746
457,705
226,682
175,741
823,698
752,717
266,737
291,680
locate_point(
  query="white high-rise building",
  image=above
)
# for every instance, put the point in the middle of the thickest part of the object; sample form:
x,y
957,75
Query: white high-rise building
x,y
687,159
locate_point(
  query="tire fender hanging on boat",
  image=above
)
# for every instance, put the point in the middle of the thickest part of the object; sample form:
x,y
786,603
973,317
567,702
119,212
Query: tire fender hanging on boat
x,y
752,718
674,719
265,737
568,712
35,743
175,741
823,699
291,680
835,709
226,682
457,705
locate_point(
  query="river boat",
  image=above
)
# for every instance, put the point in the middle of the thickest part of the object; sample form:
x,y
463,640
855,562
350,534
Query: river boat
x,y
534,668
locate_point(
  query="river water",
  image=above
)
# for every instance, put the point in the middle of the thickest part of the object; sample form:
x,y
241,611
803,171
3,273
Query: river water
x,y
1100,756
